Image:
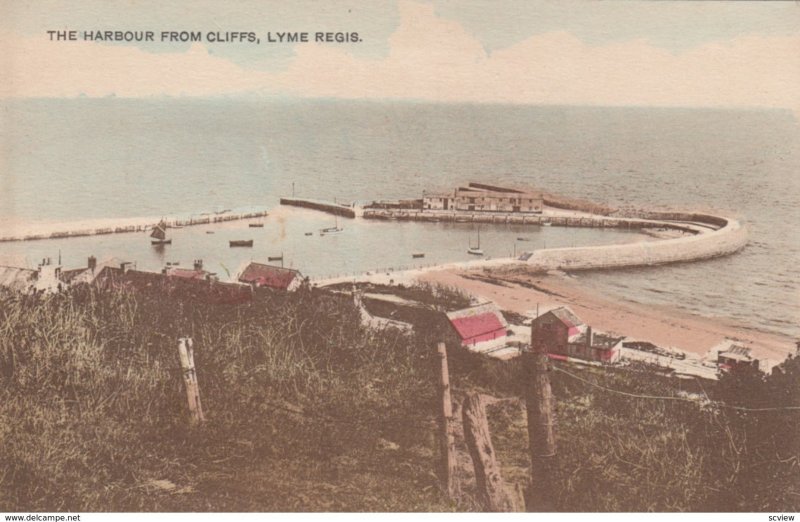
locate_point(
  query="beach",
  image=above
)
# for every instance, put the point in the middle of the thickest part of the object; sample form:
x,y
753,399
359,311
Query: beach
x,y
522,292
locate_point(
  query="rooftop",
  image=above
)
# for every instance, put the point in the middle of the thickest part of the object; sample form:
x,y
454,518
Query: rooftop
x,y
268,275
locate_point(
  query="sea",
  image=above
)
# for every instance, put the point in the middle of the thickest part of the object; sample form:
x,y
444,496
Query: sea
x,y
84,159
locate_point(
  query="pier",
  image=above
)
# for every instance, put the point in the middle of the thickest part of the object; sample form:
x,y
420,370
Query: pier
x,y
135,225
323,206
689,223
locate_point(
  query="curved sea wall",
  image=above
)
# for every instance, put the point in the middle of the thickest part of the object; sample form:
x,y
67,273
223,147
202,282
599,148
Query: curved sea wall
x,y
732,236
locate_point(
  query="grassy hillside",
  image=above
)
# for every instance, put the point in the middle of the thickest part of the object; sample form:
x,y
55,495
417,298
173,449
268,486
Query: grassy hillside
x,y
308,411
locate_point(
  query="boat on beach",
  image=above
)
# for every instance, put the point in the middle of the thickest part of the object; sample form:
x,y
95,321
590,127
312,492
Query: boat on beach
x,y
418,255
255,225
241,242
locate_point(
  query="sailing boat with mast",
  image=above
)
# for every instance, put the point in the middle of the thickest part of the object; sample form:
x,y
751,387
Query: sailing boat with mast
x,y
332,229
476,250
159,233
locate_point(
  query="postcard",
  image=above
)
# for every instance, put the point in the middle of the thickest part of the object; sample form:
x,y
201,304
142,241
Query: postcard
x,y
399,256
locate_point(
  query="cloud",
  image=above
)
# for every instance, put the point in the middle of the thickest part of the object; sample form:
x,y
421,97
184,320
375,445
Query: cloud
x,y
36,67
435,59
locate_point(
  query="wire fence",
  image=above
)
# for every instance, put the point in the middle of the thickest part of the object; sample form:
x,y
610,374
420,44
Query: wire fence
x,y
674,397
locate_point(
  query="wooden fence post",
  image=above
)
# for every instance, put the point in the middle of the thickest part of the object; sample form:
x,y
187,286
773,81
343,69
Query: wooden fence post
x,y
491,488
541,438
186,353
447,439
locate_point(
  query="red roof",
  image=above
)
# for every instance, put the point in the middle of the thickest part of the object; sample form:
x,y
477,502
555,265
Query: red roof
x,y
475,325
267,275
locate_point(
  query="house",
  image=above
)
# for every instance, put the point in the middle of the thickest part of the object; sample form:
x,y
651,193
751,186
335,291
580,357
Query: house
x,y
184,284
17,279
563,335
46,278
732,355
195,273
93,270
194,283
479,197
260,275
438,200
479,324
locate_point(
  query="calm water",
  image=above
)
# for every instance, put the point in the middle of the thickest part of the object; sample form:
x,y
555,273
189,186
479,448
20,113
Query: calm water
x,y
68,160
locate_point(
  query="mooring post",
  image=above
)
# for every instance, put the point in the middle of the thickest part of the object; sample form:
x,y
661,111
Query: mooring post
x,y
492,492
539,405
447,440
186,353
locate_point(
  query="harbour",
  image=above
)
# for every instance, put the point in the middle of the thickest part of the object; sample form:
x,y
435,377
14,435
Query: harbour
x,y
537,149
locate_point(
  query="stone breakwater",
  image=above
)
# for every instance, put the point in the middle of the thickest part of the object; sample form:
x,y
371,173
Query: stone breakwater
x,y
706,236
729,238
65,230
324,206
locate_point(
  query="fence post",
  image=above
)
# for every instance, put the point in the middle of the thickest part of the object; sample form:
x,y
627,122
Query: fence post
x,y
541,439
447,440
186,352
491,488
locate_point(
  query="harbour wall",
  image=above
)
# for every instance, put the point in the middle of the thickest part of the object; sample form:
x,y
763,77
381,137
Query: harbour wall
x,y
653,220
731,237
138,225
324,206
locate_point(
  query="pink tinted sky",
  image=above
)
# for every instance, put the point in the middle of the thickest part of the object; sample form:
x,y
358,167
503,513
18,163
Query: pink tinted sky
x,y
426,55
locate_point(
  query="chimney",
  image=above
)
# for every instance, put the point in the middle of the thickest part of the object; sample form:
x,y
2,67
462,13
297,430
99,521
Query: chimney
x,y
92,264
198,265
589,335
125,266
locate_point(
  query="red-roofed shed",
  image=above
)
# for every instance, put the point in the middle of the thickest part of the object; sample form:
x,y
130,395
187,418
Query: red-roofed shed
x,y
478,324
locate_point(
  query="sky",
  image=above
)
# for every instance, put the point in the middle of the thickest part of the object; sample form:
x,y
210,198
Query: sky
x,y
611,53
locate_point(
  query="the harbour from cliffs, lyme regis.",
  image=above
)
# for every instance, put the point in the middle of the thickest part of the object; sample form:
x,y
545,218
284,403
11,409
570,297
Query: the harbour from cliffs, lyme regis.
x,y
147,158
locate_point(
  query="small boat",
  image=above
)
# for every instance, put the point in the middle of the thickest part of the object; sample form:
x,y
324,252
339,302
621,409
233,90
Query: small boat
x,y
241,242
209,231
159,234
418,255
255,225
332,229
547,224
523,239
309,233
476,250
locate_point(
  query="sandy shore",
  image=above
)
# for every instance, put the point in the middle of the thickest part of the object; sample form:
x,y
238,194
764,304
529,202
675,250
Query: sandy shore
x,y
663,326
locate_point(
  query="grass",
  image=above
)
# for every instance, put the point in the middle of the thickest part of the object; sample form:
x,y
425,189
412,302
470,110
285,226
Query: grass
x,y
309,411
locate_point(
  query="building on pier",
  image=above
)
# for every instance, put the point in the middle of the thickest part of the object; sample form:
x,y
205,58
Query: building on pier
x,y
478,197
